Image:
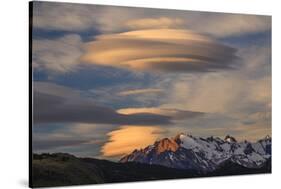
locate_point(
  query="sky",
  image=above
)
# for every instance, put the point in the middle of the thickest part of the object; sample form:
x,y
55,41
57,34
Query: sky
x,y
108,80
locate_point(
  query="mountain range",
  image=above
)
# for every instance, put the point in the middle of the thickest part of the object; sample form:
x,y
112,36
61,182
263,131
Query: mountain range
x,y
203,155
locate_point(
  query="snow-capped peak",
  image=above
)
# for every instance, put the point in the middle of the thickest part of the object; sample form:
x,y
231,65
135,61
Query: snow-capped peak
x,y
267,137
230,139
188,142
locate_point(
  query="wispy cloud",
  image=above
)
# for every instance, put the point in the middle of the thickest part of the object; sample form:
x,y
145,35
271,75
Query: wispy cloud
x,y
58,55
78,17
230,25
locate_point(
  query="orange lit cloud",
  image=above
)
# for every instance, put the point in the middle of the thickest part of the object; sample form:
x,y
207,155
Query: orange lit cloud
x,y
164,50
153,110
140,91
129,138
162,22
170,112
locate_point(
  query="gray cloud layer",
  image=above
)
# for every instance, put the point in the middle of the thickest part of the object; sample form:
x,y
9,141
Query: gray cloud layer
x,y
51,144
54,103
50,108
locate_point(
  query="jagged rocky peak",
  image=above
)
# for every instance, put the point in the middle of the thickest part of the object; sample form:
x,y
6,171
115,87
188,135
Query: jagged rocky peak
x,y
166,144
182,135
177,138
248,149
267,137
230,139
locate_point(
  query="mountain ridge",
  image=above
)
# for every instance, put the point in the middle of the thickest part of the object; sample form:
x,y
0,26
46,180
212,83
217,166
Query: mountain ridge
x,y
185,151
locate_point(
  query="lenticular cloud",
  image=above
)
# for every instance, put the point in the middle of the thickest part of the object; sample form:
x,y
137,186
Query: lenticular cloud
x,y
163,50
